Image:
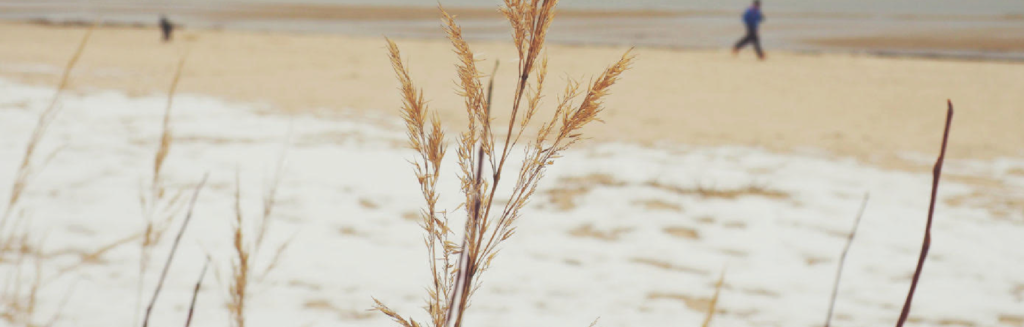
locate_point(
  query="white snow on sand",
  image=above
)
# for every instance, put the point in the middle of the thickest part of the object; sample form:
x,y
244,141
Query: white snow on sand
x,y
617,231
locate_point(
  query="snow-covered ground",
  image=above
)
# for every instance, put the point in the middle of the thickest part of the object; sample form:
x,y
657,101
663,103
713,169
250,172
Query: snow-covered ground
x,y
634,235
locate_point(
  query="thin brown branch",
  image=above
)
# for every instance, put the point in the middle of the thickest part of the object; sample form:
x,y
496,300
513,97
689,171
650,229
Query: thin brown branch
x,y
489,99
174,249
842,259
468,259
195,294
490,87
936,173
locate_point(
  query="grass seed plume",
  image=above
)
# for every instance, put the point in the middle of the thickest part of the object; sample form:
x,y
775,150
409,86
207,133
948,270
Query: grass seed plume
x,y
456,268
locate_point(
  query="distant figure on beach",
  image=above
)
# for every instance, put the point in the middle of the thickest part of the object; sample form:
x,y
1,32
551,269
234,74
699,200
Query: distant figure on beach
x,y
166,27
751,18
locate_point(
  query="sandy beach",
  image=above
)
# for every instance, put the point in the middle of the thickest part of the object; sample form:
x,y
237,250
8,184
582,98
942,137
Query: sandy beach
x,y
872,108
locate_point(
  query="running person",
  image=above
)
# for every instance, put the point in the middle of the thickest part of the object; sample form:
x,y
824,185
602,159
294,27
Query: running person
x,y
752,18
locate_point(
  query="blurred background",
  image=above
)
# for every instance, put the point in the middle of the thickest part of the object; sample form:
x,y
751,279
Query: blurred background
x,y
990,29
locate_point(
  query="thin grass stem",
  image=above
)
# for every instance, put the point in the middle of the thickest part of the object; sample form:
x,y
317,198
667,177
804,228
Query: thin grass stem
x,y
842,260
174,249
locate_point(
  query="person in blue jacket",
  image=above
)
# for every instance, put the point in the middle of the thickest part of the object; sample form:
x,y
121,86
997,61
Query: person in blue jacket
x,y
752,18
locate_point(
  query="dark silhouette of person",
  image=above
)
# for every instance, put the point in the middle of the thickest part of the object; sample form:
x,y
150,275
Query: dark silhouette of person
x,y
751,18
166,27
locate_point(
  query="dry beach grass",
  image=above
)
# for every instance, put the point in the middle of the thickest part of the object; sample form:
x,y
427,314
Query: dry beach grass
x,y
17,243
456,268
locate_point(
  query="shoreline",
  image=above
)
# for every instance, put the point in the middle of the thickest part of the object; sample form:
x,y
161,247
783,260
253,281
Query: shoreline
x,y
969,37
866,46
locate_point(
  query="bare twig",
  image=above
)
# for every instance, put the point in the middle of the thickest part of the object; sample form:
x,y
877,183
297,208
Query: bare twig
x,y
195,294
490,87
467,262
174,248
842,259
936,173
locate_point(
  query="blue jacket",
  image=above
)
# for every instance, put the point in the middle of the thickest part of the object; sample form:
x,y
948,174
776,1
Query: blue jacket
x,y
752,17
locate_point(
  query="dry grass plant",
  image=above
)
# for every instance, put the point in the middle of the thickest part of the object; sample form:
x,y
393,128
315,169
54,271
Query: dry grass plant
x,y
174,249
21,286
247,247
456,268
23,281
159,204
31,165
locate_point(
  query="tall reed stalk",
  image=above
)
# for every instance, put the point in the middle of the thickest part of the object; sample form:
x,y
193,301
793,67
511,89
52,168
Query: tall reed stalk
x,y
456,268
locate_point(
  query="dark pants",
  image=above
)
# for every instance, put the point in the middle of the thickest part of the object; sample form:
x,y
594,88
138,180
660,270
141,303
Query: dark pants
x,y
166,29
751,37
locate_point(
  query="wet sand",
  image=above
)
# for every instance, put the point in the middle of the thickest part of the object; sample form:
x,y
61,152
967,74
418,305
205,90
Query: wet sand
x,y
872,108
982,40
